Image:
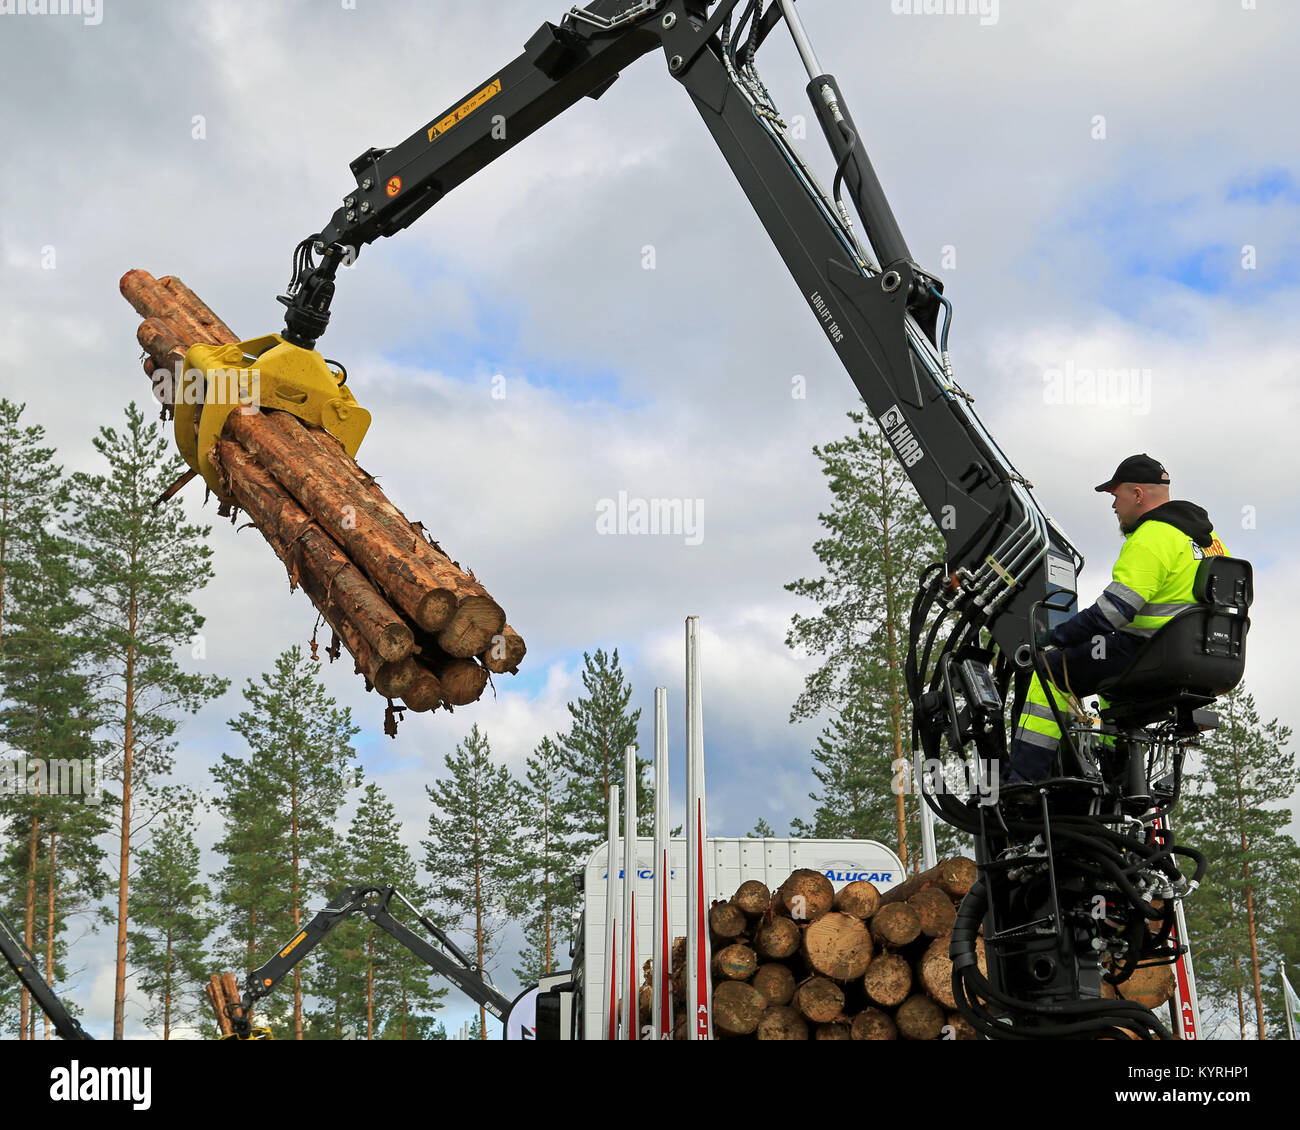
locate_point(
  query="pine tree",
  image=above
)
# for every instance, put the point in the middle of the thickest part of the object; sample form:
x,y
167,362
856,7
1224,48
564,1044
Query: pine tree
x,y
47,714
140,563
879,538
298,774
1235,810
762,831
547,896
595,750
32,496
171,923
472,852
255,881
338,970
398,1000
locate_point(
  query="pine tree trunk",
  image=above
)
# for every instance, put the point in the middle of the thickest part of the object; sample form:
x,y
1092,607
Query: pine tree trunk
x,y
29,925
297,914
167,991
370,987
1250,910
124,853
49,924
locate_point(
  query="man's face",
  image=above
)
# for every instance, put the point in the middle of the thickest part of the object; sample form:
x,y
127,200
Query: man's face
x,y
1128,503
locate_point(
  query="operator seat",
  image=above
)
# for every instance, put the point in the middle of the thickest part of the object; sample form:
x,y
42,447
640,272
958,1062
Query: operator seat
x,y
1195,657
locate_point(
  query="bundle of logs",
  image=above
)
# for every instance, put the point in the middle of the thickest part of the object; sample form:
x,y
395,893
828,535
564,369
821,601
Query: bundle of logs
x,y
222,989
809,962
421,629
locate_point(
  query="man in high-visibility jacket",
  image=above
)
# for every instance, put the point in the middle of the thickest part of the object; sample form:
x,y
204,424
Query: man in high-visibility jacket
x,y
1152,582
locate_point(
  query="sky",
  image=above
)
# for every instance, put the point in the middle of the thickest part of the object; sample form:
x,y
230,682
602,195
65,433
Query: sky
x,y
1101,185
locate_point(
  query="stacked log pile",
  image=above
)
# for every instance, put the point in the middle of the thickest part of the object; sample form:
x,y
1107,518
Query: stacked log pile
x,y
420,629
807,962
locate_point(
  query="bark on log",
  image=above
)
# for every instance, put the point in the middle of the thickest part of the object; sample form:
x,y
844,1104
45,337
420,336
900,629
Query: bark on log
x,y
934,908
837,946
217,999
806,895
775,982
872,1024
735,963
349,517
308,552
819,1000
859,898
888,980
779,1022
477,618
753,898
954,875
919,1018
778,938
737,1008
895,924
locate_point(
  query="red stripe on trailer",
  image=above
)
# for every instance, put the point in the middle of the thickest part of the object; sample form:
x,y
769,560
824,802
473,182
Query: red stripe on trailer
x,y
665,982
701,938
634,1003
1186,1013
613,986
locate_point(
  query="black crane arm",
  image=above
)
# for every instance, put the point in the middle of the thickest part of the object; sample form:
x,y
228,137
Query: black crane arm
x,y
372,902
23,962
879,309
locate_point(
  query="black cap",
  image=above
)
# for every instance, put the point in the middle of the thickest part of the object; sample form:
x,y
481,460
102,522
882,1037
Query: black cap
x,y
1140,469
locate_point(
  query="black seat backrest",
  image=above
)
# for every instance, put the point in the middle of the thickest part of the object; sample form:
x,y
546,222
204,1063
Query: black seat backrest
x,y
1227,582
1201,651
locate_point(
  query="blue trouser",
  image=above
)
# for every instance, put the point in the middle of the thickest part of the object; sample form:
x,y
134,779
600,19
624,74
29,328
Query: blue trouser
x,y
1079,669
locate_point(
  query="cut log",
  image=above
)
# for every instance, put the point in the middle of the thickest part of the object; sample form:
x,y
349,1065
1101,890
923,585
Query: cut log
x,y
959,1028
1151,985
735,963
780,1022
935,910
737,1008
888,980
859,898
895,924
778,938
337,587
462,680
280,442
505,652
478,618
806,895
837,946
819,1000
919,1018
954,876
837,1030
872,1024
752,898
775,982
727,921
934,971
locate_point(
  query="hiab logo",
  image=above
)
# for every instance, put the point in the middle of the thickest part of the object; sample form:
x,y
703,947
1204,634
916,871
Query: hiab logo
x,y
900,435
